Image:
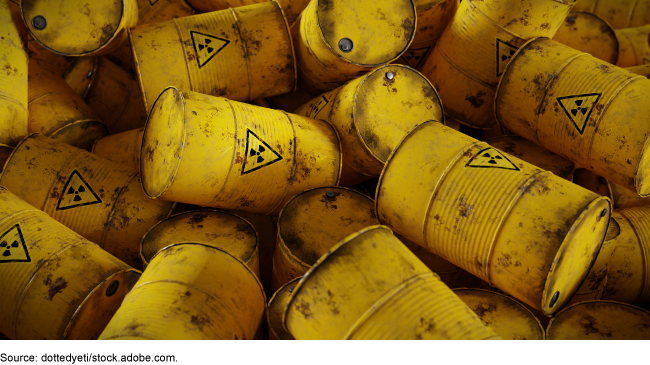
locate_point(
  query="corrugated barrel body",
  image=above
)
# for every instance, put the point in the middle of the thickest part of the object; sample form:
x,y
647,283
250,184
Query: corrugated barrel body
x,y
276,308
634,46
618,13
123,148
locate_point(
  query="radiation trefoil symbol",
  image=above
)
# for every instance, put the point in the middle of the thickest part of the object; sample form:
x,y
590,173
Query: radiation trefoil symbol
x,y
579,108
414,57
77,193
493,159
207,46
505,51
12,246
258,154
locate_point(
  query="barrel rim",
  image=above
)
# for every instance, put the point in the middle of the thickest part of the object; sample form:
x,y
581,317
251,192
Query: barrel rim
x,y
4,167
91,81
95,122
591,15
268,310
138,73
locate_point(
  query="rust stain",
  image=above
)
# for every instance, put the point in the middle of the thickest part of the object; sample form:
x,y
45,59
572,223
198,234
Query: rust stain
x,y
476,100
56,287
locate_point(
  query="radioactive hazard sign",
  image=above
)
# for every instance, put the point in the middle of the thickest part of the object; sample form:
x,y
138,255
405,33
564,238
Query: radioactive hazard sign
x,y
77,193
505,51
317,107
207,46
258,154
493,159
414,57
579,108
12,246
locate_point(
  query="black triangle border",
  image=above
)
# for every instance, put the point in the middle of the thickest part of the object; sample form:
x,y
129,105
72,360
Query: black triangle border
x,y
58,205
319,110
504,42
492,167
422,59
22,241
153,2
248,133
588,115
197,52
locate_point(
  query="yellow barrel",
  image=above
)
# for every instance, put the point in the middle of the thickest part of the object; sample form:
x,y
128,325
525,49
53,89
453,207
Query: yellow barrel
x,y
370,287
337,41
589,111
292,9
213,5
593,182
213,152
208,227
55,284
589,33
77,28
600,320
99,199
640,69
521,229
504,315
311,223
291,101
276,308
628,278
533,154
13,78
634,46
618,13
624,198
474,50
244,54
55,110
433,17
191,291
123,148
373,113
109,91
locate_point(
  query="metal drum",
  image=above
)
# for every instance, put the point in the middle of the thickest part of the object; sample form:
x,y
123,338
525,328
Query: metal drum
x,y
373,113
600,320
292,9
55,284
521,229
590,181
291,101
242,54
13,92
473,52
213,152
191,291
370,286
588,111
618,13
504,315
123,148
99,199
643,70
311,223
624,198
224,231
589,33
276,308
337,41
634,47
77,28
109,91
5,153
213,5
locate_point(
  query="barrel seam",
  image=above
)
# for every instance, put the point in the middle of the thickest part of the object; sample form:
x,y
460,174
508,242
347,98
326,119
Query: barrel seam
x,y
187,64
294,170
246,55
644,255
629,15
12,100
234,153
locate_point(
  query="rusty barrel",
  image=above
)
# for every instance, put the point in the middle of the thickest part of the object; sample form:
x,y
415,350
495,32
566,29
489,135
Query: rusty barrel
x,y
521,229
191,291
209,227
77,28
370,286
600,320
590,181
373,113
474,50
337,41
624,198
530,152
589,33
634,47
292,9
5,153
213,152
291,101
433,17
112,93
123,148
55,110
101,200
618,13
643,70
579,107
311,223
242,54
504,315
276,308
55,284
13,92
214,5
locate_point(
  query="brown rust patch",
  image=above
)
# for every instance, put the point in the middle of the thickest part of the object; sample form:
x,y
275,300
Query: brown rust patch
x,y
196,220
588,324
199,322
476,100
56,287
482,310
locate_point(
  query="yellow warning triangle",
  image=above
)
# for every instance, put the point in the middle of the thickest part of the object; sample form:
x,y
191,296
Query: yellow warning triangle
x,y
491,158
414,57
258,154
207,46
505,51
317,107
76,193
12,246
579,108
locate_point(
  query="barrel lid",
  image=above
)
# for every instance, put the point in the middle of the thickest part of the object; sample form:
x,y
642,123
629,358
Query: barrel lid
x,y
589,33
390,102
504,315
312,222
80,74
277,305
73,27
576,255
532,153
223,230
163,142
600,320
81,134
367,33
